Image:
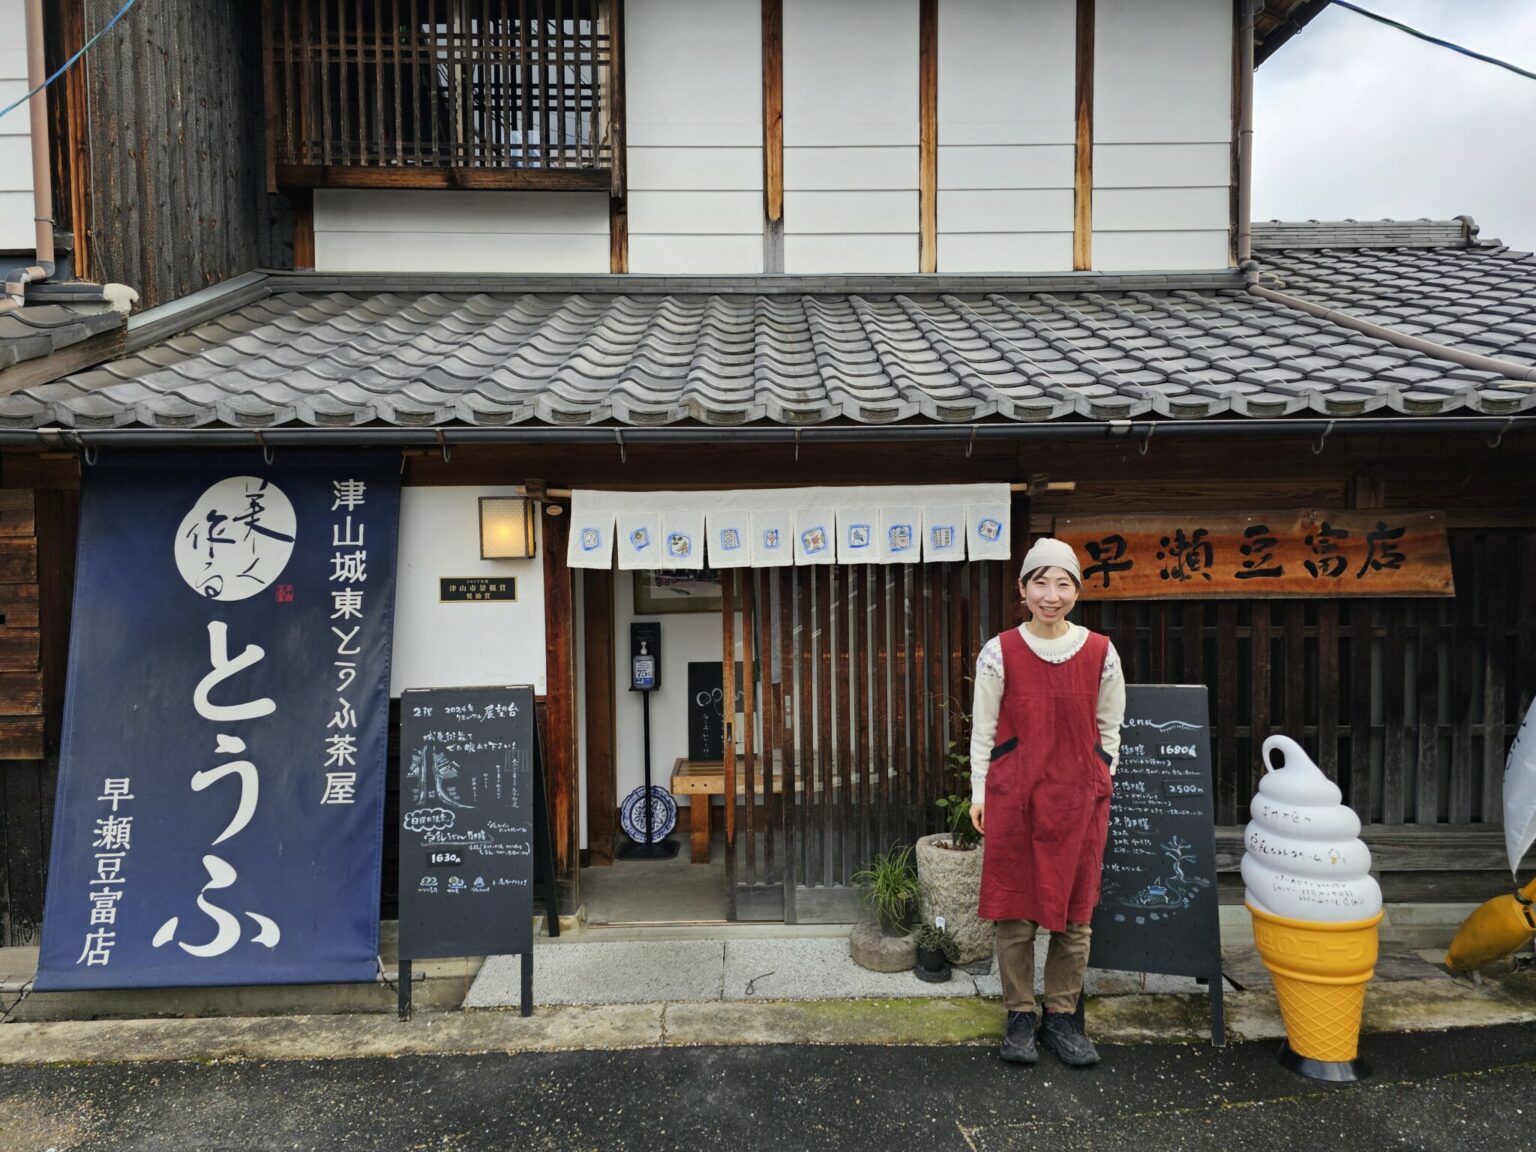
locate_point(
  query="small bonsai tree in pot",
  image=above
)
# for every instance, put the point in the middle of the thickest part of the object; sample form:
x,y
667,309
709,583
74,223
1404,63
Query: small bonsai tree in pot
x,y
949,862
883,942
936,951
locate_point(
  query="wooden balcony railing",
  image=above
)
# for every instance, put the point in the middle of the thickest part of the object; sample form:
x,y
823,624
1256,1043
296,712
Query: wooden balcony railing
x,y
442,93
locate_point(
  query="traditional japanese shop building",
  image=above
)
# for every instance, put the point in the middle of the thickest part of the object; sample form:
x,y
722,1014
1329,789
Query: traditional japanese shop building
x,y
1005,277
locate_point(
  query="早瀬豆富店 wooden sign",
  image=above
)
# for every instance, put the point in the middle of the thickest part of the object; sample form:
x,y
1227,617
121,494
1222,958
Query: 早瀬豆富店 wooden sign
x,y
1254,555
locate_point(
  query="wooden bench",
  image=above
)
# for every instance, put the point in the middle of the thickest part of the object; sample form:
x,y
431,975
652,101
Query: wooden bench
x,y
699,781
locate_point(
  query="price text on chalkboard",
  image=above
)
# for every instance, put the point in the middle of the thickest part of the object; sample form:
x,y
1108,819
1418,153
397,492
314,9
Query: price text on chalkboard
x,y
466,821
1157,910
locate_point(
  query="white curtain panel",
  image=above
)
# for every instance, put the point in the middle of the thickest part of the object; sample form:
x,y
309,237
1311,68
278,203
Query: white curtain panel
x,y
773,527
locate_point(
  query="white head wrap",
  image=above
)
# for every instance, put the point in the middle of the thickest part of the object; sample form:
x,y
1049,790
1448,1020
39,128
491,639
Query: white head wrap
x,y
1048,552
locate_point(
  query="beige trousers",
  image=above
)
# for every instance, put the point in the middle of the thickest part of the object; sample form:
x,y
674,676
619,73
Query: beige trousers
x,y
1066,959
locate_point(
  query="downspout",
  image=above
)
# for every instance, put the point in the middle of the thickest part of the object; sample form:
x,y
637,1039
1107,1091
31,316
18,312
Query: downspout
x,y
16,281
1245,132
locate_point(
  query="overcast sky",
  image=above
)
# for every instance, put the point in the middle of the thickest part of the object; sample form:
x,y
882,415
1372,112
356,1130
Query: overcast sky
x,y
1355,119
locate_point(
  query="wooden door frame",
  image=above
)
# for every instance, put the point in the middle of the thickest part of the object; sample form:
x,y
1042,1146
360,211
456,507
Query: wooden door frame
x,y
598,639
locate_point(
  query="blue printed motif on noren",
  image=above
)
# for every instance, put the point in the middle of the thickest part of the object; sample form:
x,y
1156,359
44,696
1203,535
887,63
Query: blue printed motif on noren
x,y
730,539
901,537
989,529
591,539
770,538
813,540
640,539
679,545
942,537
858,535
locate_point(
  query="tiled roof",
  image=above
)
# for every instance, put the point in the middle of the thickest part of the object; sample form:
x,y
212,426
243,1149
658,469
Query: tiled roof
x,y
40,330
1477,296
339,352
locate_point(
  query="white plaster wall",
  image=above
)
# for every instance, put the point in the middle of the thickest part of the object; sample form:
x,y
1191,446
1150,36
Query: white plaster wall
x,y
439,645
1006,135
694,103
850,135
417,230
1162,131
16,230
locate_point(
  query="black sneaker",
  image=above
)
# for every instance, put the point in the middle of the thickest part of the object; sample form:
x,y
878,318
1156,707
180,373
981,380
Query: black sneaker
x,y
1063,1035
1019,1039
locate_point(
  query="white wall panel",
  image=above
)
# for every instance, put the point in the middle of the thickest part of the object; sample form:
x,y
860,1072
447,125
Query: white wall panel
x,y
696,213
1162,132
810,255
850,72
1007,77
450,231
1159,251
695,136
1162,165
850,169
851,212
16,210
1004,252
1020,210
675,255
440,645
1162,71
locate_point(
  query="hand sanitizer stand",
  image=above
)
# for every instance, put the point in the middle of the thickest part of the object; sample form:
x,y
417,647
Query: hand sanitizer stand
x,y
645,678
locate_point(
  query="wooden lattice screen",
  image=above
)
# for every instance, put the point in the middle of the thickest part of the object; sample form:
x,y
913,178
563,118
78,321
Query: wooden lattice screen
x,y
450,85
1410,705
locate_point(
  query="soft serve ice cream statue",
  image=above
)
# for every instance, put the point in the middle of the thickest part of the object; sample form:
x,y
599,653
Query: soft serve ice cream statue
x,y
1303,856
1315,908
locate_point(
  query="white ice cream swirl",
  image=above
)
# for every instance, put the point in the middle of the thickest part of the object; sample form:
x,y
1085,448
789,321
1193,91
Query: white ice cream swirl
x,y
1303,856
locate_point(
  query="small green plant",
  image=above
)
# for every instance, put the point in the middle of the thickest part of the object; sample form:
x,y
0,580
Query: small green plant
x,y
956,801
932,938
890,886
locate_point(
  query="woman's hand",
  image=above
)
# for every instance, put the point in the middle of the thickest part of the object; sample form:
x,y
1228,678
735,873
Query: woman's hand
x,y
976,817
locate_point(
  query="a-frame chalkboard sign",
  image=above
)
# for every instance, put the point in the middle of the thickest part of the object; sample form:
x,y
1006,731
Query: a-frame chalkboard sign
x,y
1157,910
474,828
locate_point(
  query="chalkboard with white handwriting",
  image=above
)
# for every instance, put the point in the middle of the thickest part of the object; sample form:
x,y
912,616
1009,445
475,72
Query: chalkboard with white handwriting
x,y
466,821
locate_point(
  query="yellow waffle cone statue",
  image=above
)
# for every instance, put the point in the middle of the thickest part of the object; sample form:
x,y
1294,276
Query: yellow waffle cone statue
x,y
1496,928
1315,911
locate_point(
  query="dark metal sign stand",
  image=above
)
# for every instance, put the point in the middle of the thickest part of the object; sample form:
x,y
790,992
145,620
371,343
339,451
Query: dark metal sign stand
x,y
651,849
544,880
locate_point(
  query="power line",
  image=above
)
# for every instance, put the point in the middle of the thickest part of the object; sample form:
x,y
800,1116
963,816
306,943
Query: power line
x,y
64,67
1425,36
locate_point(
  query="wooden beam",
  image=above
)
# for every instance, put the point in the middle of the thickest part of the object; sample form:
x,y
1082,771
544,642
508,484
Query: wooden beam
x,y
1082,195
597,654
773,110
618,178
303,201
618,236
560,766
452,177
76,148
75,358
928,136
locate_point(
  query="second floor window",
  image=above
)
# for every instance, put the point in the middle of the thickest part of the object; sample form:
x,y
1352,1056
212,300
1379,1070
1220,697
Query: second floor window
x,y
439,84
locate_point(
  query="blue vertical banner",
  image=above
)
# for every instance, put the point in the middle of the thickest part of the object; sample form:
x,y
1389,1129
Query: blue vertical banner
x,y
221,779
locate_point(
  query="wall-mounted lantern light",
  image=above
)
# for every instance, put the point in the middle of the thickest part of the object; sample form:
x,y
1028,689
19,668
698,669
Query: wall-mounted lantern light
x,y
506,528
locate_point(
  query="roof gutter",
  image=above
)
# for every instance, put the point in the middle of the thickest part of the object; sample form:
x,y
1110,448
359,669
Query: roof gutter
x,y
1139,432
1245,131
1505,368
17,279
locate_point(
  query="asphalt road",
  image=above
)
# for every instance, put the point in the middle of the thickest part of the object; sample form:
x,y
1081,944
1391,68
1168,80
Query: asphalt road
x,y
1472,1089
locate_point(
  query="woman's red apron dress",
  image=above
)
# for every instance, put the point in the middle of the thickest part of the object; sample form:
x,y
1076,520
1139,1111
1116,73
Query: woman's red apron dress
x,y
1047,790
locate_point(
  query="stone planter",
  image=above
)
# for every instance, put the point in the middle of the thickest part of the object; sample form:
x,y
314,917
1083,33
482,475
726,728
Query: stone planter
x,y
872,948
949,885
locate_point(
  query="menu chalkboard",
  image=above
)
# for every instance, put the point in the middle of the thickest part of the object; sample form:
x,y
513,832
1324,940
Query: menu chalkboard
x,y
706,709
1157,910
466,821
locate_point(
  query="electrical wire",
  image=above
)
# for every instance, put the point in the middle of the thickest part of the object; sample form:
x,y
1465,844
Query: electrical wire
x,y
64,67
1425,36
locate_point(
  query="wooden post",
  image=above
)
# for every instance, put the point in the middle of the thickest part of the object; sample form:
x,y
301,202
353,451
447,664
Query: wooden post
x,y
1082,214
773,110
560,689
928,136
597,652
618,202
303,201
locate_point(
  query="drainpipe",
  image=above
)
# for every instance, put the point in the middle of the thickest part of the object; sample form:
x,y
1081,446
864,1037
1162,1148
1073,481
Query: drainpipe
x,y
1245,132
42,187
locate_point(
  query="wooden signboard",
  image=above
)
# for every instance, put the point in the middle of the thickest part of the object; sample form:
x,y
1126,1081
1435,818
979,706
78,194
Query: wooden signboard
x,y
1261,554
472,827
1157,906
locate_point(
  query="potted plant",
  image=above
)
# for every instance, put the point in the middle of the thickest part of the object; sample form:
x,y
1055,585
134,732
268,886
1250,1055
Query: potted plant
x,y
936,951
949,862
883,943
